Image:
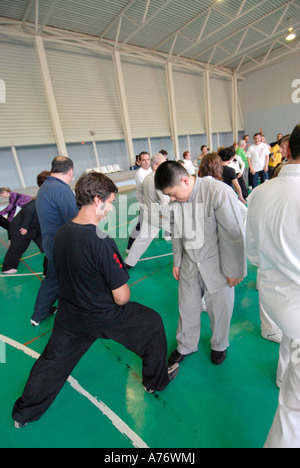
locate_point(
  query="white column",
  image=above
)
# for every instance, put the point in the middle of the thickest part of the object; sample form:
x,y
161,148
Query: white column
x,y
172,107
208,109
124,108
18,166
49,92
235,108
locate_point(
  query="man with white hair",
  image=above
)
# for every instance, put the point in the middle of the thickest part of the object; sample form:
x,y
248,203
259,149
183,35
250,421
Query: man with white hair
x,y
155,214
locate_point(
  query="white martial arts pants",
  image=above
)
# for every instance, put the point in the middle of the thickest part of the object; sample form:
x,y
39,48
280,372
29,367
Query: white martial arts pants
x,y
148,233
285,431
219,308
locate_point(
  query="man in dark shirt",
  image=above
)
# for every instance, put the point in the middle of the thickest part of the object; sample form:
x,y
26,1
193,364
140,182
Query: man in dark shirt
x,y
55,205
93,303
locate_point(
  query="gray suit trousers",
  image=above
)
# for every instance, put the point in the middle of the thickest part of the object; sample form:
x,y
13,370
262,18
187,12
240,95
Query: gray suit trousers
x,y
219,305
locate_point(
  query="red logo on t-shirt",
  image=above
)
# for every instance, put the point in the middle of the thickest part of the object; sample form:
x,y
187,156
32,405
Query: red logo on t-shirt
x,y
118,262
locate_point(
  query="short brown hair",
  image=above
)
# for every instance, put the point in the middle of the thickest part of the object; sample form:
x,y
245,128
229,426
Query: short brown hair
x,y
93,185
42,177
211,165
4,189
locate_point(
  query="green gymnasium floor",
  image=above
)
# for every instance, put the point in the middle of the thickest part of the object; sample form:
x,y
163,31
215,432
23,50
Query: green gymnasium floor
x,y
231,406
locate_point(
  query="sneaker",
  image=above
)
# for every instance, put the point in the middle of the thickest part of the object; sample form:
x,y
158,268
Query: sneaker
x,y
52,312
34,324
19,425
173,371
10,272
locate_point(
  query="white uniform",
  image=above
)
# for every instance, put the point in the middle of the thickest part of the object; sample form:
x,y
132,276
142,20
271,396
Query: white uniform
x,y
189,166
273,230
156,216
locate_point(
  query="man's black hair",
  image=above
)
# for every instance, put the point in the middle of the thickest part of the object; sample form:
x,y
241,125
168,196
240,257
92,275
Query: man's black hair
x,y
93,185
295,143
227,153
61,165
169,174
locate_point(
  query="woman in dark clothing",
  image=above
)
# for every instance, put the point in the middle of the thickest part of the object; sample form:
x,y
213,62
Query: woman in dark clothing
x,y
24,228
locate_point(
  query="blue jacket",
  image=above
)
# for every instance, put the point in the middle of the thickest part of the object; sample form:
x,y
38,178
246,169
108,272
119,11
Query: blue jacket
x,y
55,205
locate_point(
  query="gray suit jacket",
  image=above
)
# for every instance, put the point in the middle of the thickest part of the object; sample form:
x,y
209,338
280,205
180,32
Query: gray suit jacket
x,y
208,229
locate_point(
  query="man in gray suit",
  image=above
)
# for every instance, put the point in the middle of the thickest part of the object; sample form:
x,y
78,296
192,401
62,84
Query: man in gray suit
x,y
209,255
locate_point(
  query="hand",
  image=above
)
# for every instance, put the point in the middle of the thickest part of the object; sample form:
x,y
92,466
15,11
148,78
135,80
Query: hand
x,y
176,273
23,231
233,282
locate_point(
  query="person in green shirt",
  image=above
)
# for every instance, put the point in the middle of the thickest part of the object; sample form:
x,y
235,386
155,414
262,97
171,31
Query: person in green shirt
x,y
240,151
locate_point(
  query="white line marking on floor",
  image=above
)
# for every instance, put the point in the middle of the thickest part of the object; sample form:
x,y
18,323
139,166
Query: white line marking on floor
x,y
116,421
154,258
21,274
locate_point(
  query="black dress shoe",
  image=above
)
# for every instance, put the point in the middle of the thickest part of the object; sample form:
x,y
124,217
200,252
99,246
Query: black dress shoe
x,y
176,357
218,357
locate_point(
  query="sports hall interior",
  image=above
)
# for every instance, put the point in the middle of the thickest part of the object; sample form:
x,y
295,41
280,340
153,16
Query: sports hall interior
x,y
100,81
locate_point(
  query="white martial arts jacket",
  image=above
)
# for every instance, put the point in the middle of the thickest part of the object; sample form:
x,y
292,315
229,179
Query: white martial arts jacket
x,y
273,244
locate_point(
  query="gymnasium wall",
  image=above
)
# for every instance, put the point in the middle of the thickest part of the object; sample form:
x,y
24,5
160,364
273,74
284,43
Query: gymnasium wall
x,y
87,98
272,99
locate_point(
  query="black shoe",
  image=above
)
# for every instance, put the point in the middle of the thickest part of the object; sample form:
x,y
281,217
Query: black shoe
x,y
218,357
176,357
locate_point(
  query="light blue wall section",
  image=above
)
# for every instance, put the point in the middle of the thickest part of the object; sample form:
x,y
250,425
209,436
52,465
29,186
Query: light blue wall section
x,y
113,152
8,173
269,96
34,160
281,119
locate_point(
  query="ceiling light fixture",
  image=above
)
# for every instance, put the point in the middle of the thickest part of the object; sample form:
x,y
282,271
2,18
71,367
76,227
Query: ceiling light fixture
x,y
291,35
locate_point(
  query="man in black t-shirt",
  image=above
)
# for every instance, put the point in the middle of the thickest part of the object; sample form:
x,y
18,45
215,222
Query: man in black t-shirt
x,y
94,302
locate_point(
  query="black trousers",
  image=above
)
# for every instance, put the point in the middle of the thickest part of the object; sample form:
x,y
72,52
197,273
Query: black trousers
x,y
140,330
19,245
5,224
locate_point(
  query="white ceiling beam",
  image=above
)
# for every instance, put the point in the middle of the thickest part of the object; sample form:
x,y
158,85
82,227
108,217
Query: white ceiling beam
x,y
48,16
251,49
261,18
241,8
28,10
150,18
225,26
186,25
116,19
204,25
249,69
107,47
146,11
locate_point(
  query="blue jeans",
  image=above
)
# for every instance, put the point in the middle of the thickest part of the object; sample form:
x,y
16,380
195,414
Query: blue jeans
x,y
263,177
47,295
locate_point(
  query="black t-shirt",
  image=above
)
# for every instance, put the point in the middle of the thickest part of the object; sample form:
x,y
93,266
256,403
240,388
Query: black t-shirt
x,y
89,267
229,175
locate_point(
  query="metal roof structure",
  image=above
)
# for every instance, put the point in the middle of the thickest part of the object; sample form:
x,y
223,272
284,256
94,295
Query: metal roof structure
x,y
229,36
